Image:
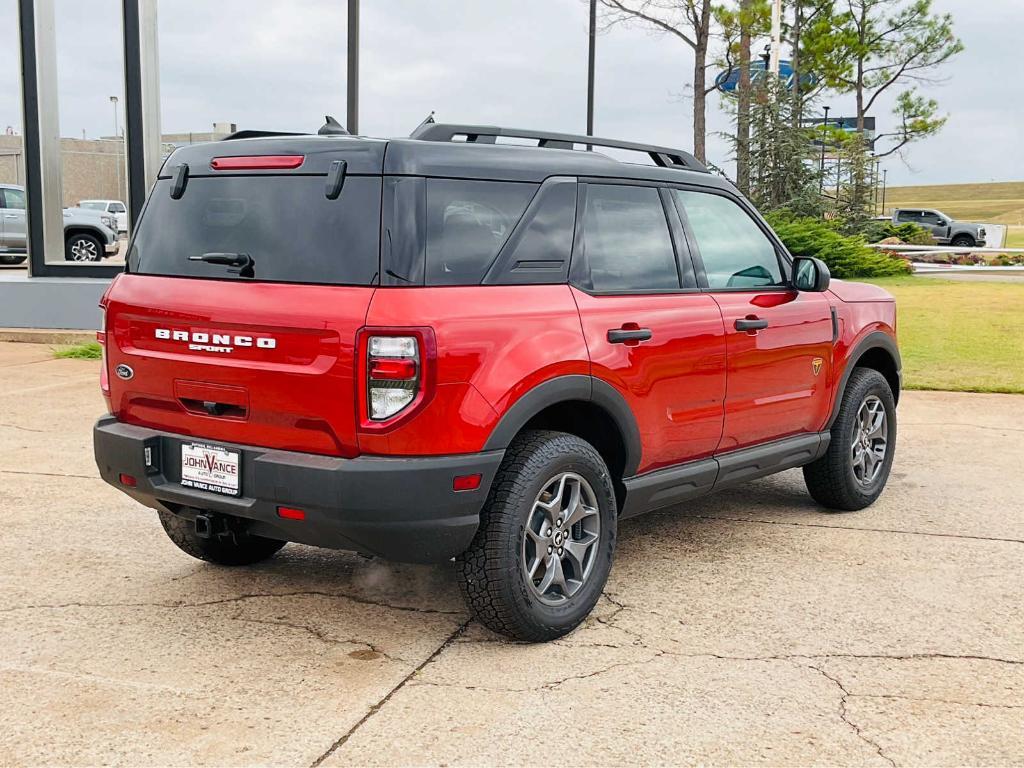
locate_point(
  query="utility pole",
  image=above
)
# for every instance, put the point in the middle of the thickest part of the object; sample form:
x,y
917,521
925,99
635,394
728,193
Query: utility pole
x,y
113,100
824,139
590,69
352,89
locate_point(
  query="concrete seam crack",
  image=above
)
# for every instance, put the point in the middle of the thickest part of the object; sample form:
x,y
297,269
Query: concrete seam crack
x,y
855,528
321,636
844,715
375,708
234,599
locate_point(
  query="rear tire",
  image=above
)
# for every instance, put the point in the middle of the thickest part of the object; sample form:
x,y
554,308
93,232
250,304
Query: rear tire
x,y
551,499
853,472
9,259
240,549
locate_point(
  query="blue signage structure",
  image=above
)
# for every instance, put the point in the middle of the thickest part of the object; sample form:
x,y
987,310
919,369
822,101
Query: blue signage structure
x,y
728,81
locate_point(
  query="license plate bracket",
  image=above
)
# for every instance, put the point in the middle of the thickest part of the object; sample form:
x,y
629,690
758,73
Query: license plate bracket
x,y
211,468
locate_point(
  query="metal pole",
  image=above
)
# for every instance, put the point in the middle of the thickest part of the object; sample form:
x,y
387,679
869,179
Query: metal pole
x,y
590,68
824,138
885,174
113,101
352,121
776,37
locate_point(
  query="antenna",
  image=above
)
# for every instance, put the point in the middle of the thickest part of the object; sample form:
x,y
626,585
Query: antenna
x,y
332,128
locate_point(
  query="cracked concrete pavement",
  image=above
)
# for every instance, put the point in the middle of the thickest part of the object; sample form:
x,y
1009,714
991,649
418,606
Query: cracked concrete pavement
x,y
747,628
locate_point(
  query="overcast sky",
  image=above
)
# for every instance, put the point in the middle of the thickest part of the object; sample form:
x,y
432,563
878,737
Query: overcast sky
x,y
280,65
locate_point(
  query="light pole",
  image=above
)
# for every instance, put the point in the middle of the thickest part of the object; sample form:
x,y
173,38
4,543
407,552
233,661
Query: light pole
x,y
113,100
824,137
590,69
885,174
352,118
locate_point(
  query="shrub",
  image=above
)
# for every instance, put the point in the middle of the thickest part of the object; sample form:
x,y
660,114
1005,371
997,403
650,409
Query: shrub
x,y
90,350
911,234
845,255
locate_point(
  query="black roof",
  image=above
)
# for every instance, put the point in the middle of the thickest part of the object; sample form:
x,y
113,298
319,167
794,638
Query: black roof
x,y
450,159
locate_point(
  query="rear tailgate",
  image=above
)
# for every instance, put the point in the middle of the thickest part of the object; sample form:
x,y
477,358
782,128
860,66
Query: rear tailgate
x,y
252,363
246,289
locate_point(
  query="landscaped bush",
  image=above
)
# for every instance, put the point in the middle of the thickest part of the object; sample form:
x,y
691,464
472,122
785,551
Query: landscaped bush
x,y
911,234
845,255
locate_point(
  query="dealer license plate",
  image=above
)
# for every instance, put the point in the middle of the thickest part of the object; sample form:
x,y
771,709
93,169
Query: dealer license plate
x,y
210,468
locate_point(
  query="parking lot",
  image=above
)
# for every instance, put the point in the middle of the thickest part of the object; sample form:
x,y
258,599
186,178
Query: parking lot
x,y
747,628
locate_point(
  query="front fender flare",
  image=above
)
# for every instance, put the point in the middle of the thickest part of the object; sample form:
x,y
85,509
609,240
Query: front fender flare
x,y
874,340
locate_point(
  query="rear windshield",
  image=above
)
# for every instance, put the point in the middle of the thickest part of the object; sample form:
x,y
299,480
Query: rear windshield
x,y
274,228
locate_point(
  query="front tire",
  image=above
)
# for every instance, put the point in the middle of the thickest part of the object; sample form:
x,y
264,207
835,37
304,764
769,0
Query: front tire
x,y
963,241
83,247
853,472
237,549
542,554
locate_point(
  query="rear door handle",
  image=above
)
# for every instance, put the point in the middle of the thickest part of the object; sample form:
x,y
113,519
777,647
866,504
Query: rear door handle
x,y
750,324
626,335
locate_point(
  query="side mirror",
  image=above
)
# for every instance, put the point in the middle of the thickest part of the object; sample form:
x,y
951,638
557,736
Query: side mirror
x,y
940,223
810,274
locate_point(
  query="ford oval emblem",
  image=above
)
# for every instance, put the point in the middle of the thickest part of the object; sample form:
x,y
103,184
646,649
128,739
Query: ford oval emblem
x,y
124,371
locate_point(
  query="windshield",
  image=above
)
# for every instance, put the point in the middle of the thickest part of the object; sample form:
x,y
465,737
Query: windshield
x,y
273,228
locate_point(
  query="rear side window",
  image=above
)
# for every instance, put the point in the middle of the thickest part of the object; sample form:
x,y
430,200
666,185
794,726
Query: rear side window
x,y
626,244
285,224
735,252
467,224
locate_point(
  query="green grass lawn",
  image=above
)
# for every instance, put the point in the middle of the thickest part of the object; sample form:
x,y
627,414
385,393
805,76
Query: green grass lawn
x,y
1015,237
959,336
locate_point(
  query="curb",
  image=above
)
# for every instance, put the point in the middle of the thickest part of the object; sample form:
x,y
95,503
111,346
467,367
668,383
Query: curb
x,y
45,336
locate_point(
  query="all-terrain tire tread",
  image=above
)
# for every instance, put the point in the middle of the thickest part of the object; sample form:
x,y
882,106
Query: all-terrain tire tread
x,y
485,565
828,478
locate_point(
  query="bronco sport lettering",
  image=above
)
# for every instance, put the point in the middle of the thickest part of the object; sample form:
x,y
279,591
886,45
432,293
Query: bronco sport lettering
x,y
452,347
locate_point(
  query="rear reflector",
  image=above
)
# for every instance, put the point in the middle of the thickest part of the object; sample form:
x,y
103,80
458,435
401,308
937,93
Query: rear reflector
x,y
466,482
290,513
256,162
393,369
126,480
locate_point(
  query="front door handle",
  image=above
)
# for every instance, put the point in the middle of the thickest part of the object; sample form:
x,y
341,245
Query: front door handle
x,y
750,323
11,216
628,335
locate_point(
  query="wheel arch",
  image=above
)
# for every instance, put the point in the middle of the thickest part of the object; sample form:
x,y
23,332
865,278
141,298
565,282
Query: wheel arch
x,y
83,229
879,352
584,406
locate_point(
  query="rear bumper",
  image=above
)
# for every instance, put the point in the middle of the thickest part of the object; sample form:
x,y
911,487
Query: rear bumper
x,y
401,509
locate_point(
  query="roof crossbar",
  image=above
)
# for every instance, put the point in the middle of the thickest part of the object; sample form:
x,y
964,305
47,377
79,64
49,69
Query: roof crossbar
x,y
487,134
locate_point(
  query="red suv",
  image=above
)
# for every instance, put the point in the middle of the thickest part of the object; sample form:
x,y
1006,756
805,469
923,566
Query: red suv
x,y
461,346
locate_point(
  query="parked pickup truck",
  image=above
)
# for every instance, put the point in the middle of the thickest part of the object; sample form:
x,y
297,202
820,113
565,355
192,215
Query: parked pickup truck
x,y
88,235
944,229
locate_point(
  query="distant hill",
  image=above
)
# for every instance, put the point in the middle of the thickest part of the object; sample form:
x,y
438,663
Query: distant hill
x,y
997,203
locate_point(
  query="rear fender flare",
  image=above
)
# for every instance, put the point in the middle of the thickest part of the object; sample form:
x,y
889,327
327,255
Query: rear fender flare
x,y
566,389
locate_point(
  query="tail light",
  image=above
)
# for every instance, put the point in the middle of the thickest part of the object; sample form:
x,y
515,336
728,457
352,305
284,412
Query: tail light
x,y
393,366
397,374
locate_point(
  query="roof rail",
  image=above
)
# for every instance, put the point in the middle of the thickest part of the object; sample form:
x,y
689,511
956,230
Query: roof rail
x,y
250,133
486,134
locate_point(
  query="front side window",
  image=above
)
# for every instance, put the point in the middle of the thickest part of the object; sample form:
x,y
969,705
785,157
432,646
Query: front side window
x,y
626,243
467,224
735,252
